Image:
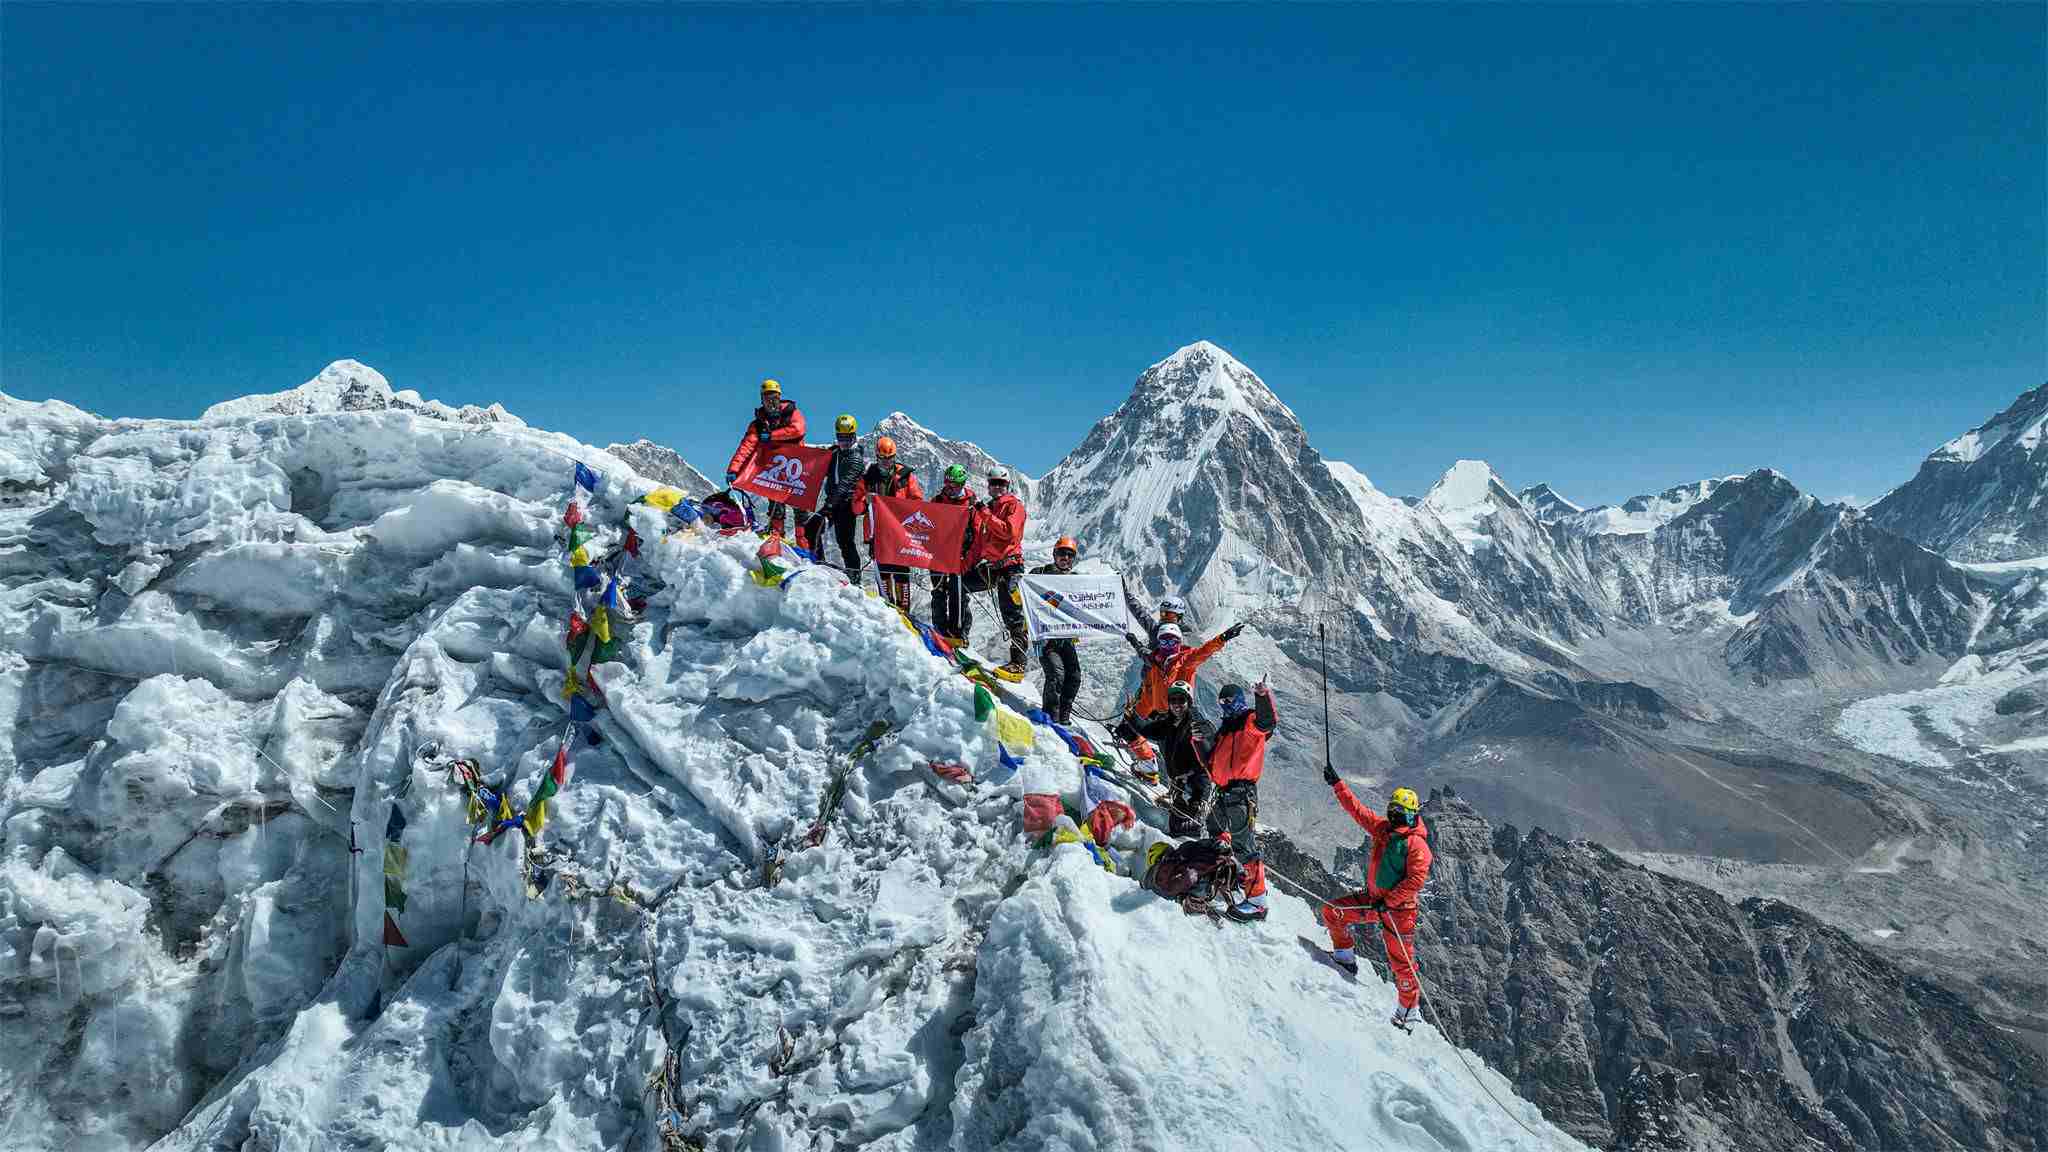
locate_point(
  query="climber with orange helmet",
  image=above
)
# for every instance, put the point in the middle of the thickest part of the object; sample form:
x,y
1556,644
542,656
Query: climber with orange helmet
x,y
776,422
888,477
1061,663
1394,876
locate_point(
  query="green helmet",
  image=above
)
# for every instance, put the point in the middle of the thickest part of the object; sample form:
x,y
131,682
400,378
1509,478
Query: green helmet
x,y
955,474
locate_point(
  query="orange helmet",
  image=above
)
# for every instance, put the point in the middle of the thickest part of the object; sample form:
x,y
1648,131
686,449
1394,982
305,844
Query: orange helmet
x,y
1066,544
885,447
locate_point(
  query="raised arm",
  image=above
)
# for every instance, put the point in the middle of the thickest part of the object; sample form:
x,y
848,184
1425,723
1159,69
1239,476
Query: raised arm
x,y
1366,817
1263,715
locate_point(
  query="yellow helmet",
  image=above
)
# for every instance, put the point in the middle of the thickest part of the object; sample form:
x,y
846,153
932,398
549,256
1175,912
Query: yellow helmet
x,y
1153,854
845,426
768,386
1405,798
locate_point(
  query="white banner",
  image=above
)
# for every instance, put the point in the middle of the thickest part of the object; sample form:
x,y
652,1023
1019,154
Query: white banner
x,y
1076,607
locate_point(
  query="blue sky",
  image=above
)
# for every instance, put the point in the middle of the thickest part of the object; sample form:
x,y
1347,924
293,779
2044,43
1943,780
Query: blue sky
x,y
1609,247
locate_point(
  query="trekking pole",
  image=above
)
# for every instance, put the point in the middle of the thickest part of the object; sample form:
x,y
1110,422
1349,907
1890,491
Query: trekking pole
x,y
1323,631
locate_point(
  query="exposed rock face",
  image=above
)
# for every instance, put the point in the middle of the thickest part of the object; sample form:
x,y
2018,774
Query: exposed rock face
x,y
1979,496
1645,1012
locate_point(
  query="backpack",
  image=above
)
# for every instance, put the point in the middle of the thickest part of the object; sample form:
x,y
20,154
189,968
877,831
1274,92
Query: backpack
x,y
1194,873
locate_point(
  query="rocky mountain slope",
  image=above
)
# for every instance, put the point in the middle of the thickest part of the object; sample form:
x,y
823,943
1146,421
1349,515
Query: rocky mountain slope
x,y
664,465
233,652
930,454
1646,1012
1979,496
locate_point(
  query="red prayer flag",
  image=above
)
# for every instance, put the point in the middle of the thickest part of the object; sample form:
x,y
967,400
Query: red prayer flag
x,y
392,936
919,533
792,474
561,768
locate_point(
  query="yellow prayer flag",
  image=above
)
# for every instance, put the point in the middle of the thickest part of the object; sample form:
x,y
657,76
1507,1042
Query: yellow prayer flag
x,y
536,816
570,685
1014,731
580,558
394,860
601,624
663,498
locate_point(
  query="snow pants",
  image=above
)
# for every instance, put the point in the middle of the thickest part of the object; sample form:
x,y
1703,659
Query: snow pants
x,y
950,612
841,519
1397,932
1237,812
1062,679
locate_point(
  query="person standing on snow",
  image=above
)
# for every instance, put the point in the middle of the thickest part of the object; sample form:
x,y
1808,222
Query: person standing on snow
x,y
838,507
951,616
1236,761
1182,738
888,477
1167,661
999,562
776,422
1061,663
1394,877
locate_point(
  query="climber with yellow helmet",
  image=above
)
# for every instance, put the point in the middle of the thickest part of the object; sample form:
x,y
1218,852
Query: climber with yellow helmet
x,y
836,505
1394,876
776,422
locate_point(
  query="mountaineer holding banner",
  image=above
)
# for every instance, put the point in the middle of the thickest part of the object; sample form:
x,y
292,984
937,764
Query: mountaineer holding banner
x,y
1057,656
890,479
772,460
999,564
950,613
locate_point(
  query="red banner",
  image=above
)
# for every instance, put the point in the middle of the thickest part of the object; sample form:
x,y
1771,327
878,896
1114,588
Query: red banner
x,y
919,533
792,474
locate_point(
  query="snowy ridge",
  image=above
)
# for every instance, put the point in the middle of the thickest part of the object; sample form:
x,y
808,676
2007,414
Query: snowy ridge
x,y
237,642
348,386
1644,513
664,465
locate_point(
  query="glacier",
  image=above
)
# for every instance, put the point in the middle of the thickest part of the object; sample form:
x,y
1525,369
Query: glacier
x,y
232,649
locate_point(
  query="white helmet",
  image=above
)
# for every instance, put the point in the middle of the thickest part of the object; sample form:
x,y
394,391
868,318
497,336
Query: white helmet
x,y
1175,605
1167,632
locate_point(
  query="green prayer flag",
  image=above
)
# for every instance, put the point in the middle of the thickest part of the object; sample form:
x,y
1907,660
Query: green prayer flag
x,y
394,896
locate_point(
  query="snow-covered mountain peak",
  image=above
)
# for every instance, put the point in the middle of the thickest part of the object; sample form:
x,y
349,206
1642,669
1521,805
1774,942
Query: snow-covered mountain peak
x,y
929,454
2022,423
1467,495
661,463
1464,484
1203,376
352,386
1546,503
1980,497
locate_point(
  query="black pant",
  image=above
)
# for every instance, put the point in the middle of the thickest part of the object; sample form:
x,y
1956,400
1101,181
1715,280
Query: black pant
x,y
1004,583
841,519
1062,679
950,612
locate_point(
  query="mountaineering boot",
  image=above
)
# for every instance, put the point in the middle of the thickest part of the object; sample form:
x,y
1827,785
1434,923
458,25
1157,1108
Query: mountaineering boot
x,y
1344,958
1246,912
1403,1017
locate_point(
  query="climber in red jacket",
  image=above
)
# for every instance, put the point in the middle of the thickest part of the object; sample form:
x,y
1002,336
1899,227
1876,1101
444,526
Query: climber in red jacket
x,y
776,421
1236,761
1394,877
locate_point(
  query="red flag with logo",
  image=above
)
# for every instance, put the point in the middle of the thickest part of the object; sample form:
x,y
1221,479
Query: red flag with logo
x,y
792,474
919,533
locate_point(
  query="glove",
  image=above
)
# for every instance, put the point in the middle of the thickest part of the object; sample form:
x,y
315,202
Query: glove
x,y
1330,776
1231,632
730,476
